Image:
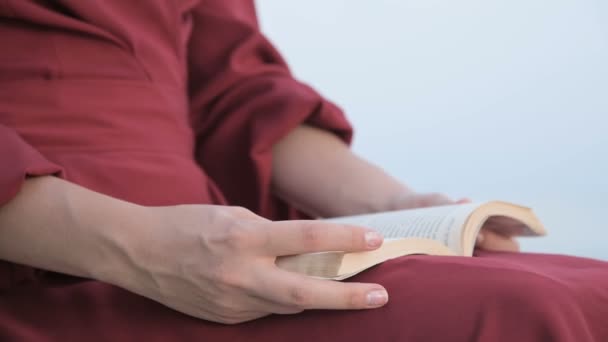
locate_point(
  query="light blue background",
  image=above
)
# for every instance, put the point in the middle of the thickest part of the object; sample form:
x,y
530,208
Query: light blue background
x,y
479,98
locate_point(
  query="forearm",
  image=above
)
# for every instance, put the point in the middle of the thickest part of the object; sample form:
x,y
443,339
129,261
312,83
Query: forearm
x,y
55,225
318,173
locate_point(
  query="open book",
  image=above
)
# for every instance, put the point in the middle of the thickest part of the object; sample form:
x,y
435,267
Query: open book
x,y
446,230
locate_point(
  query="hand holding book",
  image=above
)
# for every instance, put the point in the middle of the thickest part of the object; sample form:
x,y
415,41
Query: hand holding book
x,y
443,230
488,239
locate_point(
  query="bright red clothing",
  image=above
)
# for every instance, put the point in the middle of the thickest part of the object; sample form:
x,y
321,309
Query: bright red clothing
x,y
162,102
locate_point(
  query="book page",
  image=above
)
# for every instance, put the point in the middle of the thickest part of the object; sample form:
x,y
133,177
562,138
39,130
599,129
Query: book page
x,y
443,224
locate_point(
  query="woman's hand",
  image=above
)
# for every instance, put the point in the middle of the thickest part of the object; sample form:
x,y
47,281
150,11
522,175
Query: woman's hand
x,y
488,238
218,263
315,171
211,262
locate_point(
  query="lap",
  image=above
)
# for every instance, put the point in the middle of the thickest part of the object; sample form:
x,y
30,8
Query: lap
x,y
494,297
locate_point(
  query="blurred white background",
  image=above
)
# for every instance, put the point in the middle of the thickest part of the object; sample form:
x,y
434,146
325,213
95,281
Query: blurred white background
x,y
502,99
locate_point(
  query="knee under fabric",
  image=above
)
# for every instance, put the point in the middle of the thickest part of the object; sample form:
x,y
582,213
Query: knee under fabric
x,y
492,297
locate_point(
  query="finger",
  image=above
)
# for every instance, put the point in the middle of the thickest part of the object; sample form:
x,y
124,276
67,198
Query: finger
x,y
272,307
302,292
237,308
242,212
426,200
492,241
269,306
232,318
296,237
285,310
266,306
505,226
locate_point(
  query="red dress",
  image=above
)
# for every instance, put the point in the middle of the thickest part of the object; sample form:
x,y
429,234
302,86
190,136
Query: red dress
x,y
162,102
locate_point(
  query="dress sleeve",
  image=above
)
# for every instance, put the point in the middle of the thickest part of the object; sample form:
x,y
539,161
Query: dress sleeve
x,y
18,160
244,99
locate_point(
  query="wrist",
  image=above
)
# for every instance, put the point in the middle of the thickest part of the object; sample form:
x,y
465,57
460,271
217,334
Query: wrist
x,y
317,173
381,199
73,230
116,240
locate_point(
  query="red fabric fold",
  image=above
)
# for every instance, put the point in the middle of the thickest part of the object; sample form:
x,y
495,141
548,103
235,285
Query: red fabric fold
x,y
492,297
19,161
245,100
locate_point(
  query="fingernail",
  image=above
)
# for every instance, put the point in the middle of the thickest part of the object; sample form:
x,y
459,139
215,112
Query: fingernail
x,y
377,297
373,239
480,238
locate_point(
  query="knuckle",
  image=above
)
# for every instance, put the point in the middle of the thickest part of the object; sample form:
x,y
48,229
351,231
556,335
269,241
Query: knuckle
x,y
226,277
433,198
353,299
311,235
420,201
240,211
300,298
236,236
440,197
357,238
